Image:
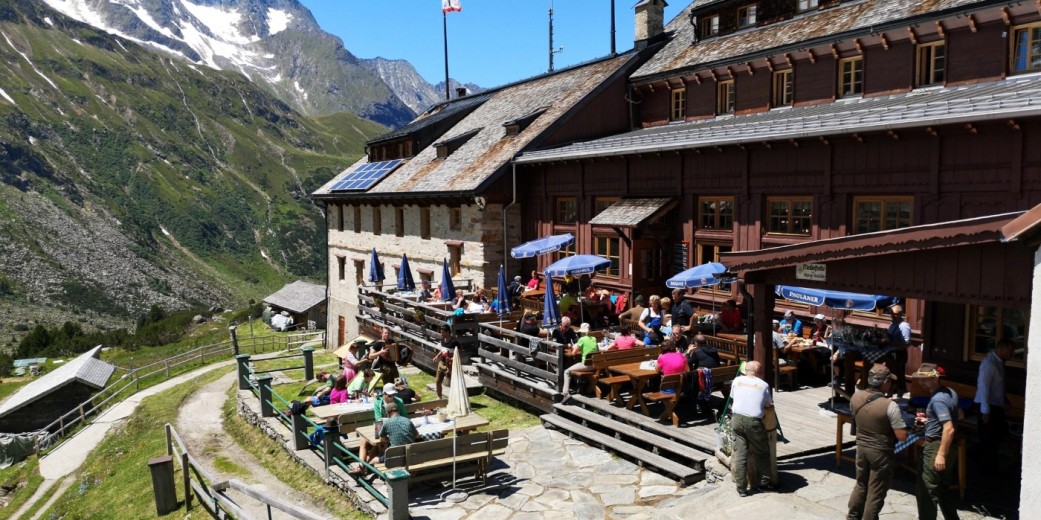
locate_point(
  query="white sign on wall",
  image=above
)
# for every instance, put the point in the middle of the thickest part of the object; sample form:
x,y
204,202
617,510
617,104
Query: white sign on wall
x,y
813,272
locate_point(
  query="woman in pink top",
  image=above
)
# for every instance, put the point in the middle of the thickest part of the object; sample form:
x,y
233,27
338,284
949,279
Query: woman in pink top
x,y
339,392
671,362
624,341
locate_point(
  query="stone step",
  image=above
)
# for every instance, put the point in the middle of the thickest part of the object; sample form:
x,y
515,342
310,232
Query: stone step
x,y
638,420
685,474
636,435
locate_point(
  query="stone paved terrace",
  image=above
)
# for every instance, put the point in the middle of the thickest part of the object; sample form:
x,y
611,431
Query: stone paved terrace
x,y
546,475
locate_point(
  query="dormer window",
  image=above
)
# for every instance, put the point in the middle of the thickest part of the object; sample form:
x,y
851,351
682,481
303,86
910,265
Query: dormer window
x,y
710,26
806,5
446,147
746,16
518,125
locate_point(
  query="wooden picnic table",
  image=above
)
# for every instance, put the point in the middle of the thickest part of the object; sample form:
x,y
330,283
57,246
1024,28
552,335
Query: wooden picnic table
x,y
330,411
463,424
639,377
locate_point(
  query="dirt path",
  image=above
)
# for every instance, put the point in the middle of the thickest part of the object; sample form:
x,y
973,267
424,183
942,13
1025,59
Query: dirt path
x,y
201,426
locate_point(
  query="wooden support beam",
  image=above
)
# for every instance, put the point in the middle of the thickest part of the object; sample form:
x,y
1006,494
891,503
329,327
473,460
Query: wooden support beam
x,y
858,138
813,57
972,23
858,45
788,58
697,79
730,72
972,128
1006,16
751,70
1012,123
885,41
650,86
824,140
893,134
770,65
718,149
714,75
942,31
767,145
931,131
912,35
794,142
835,51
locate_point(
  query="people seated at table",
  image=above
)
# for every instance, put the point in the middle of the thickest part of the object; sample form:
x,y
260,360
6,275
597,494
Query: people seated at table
x,y
682,310
678,338
670,361
390,395
425,292
702,355
666,311
582,348
339,393
361,385
397,430
651,322
625,339
533,282
443,359
634,312
819,331
516,289
481,298
459,302
790,324
564,334
730,319
529,325
326,381
568,303
389,372
406,394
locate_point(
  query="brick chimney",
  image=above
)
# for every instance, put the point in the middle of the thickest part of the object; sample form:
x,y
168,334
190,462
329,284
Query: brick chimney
x,y
650,21
460,92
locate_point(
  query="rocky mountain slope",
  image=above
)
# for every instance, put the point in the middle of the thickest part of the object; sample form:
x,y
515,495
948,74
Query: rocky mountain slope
x,y
128,178
410,87
276,43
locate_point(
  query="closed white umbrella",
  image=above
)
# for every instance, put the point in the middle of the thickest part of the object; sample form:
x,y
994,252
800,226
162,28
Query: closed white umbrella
x,y
458,406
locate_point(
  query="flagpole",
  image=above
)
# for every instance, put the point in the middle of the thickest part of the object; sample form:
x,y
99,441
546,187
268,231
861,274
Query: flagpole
x,y
444,23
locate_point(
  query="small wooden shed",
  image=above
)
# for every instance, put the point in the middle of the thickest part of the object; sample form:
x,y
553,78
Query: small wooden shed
x,y
304,302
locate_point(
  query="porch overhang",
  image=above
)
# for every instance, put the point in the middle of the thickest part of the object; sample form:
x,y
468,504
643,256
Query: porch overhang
x,y
633,212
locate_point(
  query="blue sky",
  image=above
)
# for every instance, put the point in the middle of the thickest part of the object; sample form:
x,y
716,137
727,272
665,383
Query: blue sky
x,y
490,43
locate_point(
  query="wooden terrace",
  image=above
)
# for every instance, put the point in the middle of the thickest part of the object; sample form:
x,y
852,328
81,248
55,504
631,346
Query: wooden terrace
x,y
529,370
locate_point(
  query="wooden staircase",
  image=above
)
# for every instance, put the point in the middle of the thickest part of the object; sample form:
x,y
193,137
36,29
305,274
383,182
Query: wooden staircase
x,y
630,435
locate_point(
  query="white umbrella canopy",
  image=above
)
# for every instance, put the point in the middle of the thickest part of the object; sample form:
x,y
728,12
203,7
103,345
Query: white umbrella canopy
x,y
458,401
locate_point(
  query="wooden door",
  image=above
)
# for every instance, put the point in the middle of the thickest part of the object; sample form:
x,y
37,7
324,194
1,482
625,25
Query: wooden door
x,y
341,331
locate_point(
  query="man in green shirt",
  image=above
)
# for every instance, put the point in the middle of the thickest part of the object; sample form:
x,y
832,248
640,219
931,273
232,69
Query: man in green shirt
x,y
390,396
586,345
397,430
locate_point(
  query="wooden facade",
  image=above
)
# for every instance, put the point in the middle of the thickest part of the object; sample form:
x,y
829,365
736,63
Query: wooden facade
x,y
47,408
936,173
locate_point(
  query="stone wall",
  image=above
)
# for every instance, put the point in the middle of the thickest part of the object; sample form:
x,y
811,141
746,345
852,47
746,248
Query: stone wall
x,y
480,232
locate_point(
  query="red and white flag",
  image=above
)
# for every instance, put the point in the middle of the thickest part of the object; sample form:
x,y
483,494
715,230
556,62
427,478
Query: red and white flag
x,y
450,6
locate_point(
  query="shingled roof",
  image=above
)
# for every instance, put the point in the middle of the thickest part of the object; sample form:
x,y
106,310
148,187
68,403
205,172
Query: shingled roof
x,y
1014,97
490,149
87,369
441,112
868,15
298,297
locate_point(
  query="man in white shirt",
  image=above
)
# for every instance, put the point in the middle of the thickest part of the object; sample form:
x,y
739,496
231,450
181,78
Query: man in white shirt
x,y
750,397
990,398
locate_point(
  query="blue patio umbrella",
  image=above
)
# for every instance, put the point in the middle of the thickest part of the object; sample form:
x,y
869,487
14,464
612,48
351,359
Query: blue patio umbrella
x,y
550,311
831,299
405,281
504,295
699,276
542,246
447,287
577,265
375,268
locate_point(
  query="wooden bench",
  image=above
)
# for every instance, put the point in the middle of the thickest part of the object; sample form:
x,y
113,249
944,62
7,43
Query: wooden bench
x,y
601,363
731,351
348,423
469,454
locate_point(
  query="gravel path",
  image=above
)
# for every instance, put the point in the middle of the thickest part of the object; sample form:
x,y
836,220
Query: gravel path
x,y
201,426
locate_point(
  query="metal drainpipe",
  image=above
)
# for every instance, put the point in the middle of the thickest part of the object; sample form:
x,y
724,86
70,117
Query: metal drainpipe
x,y
751,319
505,256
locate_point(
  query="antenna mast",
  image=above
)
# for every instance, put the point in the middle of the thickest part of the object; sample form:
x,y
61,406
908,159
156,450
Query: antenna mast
x,y
552,51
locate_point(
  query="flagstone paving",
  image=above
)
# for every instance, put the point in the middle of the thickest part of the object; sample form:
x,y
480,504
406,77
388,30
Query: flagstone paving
x,y
545,475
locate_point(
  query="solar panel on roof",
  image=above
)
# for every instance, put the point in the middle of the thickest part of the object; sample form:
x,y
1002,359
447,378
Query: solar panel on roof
x,y
366,176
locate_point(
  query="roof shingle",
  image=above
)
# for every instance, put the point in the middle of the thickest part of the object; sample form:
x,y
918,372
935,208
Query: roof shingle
x,y
298,297
87,369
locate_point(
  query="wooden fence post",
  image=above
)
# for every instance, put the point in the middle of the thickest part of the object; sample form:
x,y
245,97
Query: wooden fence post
x,y
234,340
331,434
243,361
187,477
267,409
300,441
561,367
163,484
397,494
308,363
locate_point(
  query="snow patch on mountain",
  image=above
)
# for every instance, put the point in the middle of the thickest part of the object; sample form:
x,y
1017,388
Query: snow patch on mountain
x,y
144,16
30,62
222,23
8,98
277,21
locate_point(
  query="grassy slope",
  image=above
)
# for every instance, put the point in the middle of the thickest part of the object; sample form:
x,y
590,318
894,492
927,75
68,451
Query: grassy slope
x,y
152,142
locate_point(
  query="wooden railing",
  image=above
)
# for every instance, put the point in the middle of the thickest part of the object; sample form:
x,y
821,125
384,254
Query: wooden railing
x,y
526,368
212,495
